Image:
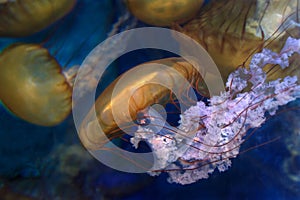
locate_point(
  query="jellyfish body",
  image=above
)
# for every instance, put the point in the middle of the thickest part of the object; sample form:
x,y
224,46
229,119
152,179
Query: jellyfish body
x,y
164,12
232,31
32,85
229,44
214,132
24,17
127,104
229,115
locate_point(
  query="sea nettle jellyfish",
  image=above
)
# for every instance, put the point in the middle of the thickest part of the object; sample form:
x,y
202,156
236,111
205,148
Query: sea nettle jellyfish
x,y
166,12
19,18
238,35
33,85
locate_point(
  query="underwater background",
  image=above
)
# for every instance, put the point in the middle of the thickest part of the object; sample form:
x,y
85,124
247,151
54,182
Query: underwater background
x,y
50,163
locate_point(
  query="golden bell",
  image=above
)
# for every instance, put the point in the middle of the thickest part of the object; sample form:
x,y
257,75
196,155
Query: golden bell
x,y
164,12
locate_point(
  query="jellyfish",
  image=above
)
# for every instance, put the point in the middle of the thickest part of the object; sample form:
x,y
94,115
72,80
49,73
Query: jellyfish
x,y
226,65
139,101
232,31
22,18
209,133
49,104
33,86
164,13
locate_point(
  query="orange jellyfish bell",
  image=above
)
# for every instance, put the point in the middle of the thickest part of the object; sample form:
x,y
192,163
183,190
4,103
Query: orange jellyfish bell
x,y
164,12
20,18
32,85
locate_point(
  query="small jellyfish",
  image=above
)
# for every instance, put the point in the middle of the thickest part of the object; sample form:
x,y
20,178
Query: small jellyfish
x,y
24,17
164,13
32,85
